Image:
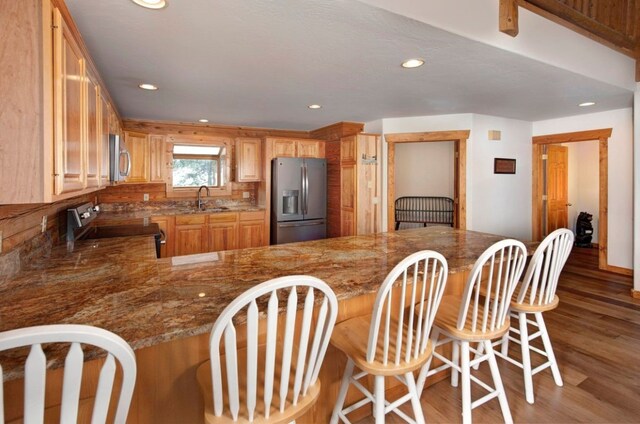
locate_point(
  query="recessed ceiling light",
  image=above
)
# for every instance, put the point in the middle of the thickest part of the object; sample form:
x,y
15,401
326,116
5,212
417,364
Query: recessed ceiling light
x,y
148,87
587,104
151,4
412,63
204,121
314,106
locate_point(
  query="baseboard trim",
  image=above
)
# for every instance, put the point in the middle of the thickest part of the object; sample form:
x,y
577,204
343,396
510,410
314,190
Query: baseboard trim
x,y
635,294
620,270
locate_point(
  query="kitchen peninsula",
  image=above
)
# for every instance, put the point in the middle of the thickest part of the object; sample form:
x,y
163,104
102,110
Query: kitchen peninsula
x,y
165,307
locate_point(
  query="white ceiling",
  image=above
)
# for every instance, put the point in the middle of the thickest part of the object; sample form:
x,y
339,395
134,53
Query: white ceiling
x,y
260,63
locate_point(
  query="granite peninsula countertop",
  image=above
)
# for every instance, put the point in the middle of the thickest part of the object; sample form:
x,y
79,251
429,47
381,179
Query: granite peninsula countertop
x,y
118,284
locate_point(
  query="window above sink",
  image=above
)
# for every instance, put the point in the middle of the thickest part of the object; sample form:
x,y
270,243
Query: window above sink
x,y
198,161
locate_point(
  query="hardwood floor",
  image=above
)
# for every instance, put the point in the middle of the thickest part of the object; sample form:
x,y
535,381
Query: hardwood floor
x,y
595,332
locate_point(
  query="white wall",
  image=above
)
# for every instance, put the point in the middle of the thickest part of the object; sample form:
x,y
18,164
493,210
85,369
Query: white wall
x,y
636,186
539,38
620,206
424,169
498,204
584,183
501,202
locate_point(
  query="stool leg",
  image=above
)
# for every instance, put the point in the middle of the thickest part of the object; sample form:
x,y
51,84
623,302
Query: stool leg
x,y
526,357
422,377
504,345
342,394
466,382
549,349
478,355
379,399
455,358
497,382
415,398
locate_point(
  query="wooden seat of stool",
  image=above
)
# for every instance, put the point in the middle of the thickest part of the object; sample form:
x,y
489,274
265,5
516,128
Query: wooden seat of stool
x,y
447,321
352,338
530,309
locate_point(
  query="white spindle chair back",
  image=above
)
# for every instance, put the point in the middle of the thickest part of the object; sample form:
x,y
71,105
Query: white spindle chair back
x,y
36,367
407,327
541,279
490,286
309,355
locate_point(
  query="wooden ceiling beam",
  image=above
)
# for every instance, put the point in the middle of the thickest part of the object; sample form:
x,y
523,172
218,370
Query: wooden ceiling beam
x,y
509,17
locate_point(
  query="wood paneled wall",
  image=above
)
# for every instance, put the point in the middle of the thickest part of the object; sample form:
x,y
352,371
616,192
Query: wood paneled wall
x,y
21,223
616,23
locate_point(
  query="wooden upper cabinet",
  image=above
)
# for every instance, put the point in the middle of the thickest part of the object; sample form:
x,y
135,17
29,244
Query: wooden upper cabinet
x,y
348,149
69,104
157,149
283,148
138,146
105,111
94,120
248,159
310,149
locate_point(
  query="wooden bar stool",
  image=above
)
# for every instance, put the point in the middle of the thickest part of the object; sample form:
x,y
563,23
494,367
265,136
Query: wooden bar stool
x,y
274,378
71,409
537,295
398,336
479,316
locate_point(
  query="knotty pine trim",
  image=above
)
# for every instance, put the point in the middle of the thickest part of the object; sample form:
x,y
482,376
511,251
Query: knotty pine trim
x,y
602,135
459,137
509,17
635,294
620,270
197,129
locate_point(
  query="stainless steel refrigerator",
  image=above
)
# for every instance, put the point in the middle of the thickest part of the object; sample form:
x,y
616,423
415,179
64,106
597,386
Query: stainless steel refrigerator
x,y
298,199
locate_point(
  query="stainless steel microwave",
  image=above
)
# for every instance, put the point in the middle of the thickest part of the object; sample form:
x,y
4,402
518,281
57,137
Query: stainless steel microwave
x,y
119,159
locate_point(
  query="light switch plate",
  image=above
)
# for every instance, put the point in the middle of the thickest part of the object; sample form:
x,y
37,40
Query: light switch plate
x,y
246,194
145,197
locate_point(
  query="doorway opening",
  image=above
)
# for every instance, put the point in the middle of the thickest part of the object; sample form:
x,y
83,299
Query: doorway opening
x,y
459,156
551,185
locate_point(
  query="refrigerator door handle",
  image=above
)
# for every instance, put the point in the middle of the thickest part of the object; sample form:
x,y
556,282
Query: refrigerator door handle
x,y
305,190
300,224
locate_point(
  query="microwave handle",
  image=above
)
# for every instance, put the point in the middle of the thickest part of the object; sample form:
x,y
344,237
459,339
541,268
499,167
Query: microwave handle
x,y
126,152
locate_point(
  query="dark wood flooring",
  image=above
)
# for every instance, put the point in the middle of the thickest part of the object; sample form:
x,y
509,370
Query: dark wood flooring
x,y
595,332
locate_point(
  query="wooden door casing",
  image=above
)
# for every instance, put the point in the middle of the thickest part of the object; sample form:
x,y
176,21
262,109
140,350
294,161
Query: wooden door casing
x,y
557,165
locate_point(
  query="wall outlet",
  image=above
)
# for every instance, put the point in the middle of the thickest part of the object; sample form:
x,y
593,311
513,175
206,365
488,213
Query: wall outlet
x,y
246,195
145,197
43,225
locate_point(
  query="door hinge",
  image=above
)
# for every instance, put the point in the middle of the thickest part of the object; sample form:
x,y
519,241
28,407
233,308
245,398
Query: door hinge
x,y
545,157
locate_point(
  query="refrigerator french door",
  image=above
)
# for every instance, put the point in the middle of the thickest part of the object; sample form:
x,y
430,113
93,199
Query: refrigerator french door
x,y
298,199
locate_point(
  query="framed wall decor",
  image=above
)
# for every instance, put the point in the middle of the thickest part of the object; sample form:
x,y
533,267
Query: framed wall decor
x,y
504,166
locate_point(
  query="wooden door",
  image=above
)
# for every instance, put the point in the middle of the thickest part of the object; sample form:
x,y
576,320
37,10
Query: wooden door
x,y
105,112
167,226
248,159
94,120
283,148
310,149
157,151
69,104
190,235
138,146
251,234
368,178
557,187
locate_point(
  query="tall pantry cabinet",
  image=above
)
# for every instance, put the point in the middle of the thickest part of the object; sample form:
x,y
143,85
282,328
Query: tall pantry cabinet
x,y
354,185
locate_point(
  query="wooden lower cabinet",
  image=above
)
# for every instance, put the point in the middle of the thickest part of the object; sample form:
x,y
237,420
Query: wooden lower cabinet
x,y
190,234
251,234
167,226
222,232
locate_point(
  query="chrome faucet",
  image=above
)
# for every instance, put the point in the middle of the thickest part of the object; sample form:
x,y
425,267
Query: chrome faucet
x,y
199,198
